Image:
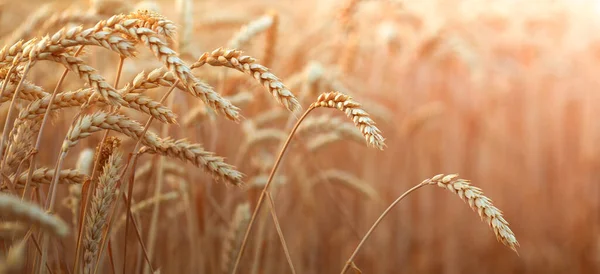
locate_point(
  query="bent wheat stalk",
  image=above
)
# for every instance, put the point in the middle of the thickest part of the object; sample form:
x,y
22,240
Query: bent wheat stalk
x,y
330,100
468,193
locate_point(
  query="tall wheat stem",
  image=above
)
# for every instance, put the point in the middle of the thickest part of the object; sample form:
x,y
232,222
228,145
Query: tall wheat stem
x,y
350,260
266,188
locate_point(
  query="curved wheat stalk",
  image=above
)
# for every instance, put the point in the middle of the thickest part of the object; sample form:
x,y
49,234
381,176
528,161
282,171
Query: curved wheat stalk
x,y
468,193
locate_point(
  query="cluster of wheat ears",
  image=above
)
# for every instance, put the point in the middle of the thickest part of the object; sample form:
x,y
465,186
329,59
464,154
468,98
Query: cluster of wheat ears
x,y
101,194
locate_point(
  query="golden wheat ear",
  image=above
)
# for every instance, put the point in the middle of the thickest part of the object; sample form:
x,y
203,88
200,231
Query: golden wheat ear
x,y
354,111
480,203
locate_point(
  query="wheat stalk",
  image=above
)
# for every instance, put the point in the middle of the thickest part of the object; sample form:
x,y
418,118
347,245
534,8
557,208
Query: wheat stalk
x,y
177,66
468,193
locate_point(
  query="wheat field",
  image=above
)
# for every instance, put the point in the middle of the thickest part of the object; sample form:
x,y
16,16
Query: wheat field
x,y
202,136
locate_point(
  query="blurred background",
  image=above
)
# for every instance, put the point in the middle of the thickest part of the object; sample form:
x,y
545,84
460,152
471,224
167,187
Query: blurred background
x,y
505,93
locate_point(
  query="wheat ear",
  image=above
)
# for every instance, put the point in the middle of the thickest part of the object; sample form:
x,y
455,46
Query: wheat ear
x,y
468,193
12,208
332,100
101,203
354,111
246,64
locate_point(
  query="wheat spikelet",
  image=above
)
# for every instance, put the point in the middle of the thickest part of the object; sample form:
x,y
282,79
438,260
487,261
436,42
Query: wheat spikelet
x,y
12,208
21,144
29,91
154,21
44,176
59,42
480,203
346,179
101,203
181,149
90,75
176,65
234,236
14,263
246,64
354,111
159,77
195,154
134,101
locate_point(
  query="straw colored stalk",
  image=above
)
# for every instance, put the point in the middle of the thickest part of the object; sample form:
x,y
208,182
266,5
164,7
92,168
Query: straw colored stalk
x,y
246,64
12,208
